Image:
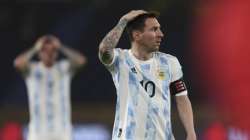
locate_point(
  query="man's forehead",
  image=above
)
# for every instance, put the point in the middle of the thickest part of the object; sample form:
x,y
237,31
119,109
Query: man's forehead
x,y
48,45
152,22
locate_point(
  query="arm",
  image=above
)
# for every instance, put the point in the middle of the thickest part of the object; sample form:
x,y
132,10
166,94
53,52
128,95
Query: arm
x,y
21,62
77,60
110,41
186,115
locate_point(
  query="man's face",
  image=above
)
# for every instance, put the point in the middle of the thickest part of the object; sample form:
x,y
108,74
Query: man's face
x,y
49,53
151,36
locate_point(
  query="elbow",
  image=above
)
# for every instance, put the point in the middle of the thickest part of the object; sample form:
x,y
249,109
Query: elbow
x,y
17,64
82,61
102,48
20,64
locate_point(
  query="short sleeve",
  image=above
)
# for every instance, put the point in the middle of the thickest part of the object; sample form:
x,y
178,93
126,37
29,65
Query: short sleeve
x,y
176,70
32,65
113,66
65,66
177,78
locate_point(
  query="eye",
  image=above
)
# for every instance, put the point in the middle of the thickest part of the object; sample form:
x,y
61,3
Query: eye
x,y
155,29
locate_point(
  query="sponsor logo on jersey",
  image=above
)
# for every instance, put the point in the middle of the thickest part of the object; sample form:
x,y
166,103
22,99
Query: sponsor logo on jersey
x,y
133,70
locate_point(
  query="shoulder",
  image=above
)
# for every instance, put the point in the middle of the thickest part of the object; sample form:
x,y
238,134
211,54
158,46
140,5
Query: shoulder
x,y
164,57
119,50
121,53
63,63
34,65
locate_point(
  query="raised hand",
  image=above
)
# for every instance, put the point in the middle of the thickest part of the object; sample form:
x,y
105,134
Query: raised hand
x,y
132,14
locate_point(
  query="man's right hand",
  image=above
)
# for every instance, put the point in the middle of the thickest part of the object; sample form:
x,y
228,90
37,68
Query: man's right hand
x,y
132,15
39,43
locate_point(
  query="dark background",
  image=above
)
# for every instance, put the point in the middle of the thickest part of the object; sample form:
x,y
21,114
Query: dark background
x,y
82,25
194,32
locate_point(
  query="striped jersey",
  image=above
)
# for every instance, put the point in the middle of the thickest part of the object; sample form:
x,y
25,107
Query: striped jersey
x,y
143,95
49,101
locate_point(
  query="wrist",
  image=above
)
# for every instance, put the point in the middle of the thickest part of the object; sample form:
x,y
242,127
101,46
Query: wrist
x,y
123,22
35,48
191,133
38,46
31,53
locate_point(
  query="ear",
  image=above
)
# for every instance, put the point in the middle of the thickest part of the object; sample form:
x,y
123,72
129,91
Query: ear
x,y
136,35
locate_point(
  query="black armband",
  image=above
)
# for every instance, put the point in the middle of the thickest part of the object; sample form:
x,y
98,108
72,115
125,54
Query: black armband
x,y
177,86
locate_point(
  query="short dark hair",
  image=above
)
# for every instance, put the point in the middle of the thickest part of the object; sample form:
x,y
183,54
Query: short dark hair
x,y
139,22
48,38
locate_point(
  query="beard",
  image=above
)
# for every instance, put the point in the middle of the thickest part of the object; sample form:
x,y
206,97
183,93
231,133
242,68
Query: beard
x,y
153,48
150,46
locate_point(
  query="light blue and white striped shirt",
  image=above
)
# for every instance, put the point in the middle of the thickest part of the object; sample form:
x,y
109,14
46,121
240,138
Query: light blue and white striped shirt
x,y
143,95
49,101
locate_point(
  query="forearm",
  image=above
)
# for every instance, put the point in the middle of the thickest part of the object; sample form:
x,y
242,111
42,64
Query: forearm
x,y
75,57
21,62
111,40
186,114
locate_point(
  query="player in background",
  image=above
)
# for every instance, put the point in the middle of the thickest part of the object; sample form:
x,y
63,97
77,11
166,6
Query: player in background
x,y
48,84
145,79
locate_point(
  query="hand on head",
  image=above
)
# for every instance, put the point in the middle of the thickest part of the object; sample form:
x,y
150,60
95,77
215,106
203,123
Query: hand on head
x,y
47,39
39,43
132,15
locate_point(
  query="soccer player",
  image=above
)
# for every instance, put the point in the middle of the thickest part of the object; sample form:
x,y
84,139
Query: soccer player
x,y
48,86
144,77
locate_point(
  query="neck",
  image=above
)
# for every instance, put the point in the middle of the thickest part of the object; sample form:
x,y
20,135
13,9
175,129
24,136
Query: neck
x,y
47,65
140,52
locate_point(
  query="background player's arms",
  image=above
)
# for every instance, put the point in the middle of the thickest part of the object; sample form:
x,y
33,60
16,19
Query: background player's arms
x,y
77,59
186,115
110,41
21,62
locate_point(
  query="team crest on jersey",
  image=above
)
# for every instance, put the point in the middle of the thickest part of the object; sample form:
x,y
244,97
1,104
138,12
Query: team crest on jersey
x,y
161,73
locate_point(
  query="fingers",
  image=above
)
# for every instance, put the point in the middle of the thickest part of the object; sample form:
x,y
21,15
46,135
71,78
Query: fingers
x,y
133,14
137,12
47,39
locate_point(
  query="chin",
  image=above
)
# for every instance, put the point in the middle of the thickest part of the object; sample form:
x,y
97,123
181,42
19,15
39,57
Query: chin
x,y
154,48
157,48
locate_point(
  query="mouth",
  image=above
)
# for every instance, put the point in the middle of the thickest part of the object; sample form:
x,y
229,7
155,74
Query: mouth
x,y
158,42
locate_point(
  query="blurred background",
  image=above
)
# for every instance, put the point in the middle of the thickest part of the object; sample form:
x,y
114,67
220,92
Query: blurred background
x,y
209,37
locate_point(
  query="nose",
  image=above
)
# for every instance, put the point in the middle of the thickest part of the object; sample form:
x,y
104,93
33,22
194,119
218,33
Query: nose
x,y
160,34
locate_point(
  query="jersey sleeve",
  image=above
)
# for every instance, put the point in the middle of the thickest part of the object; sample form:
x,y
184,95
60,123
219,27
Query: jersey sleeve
x,y
176,70
178,87
30,68
65,67
114,65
